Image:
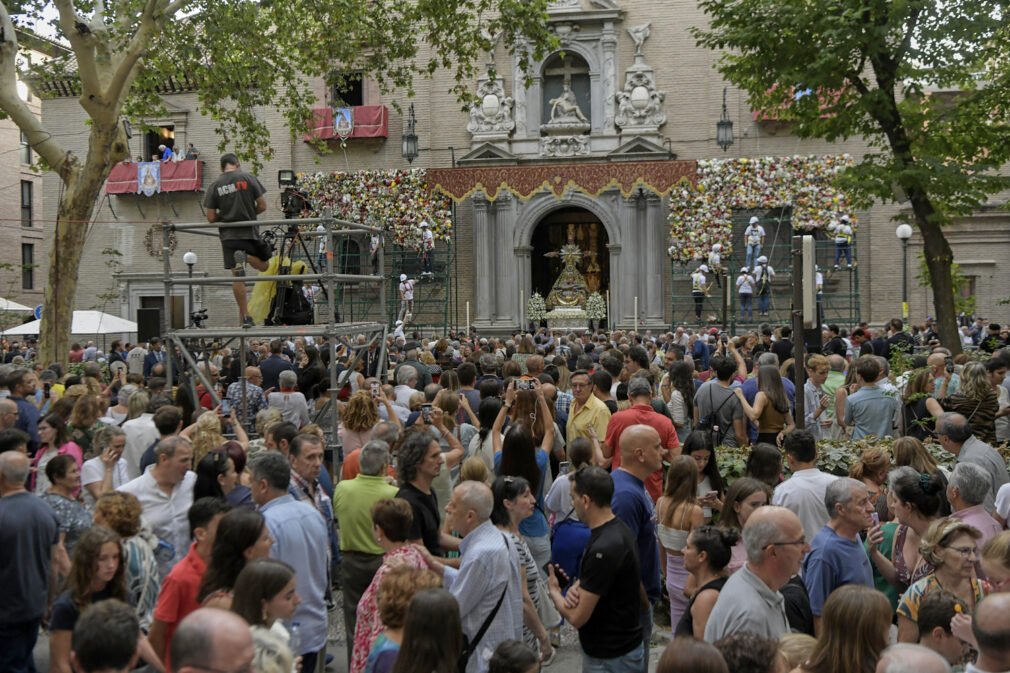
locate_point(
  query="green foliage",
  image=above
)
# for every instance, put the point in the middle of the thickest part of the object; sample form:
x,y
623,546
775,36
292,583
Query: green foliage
x,y
962,303
245,58
834,456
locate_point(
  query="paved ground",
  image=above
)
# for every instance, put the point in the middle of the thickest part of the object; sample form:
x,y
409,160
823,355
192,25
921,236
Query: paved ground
x,y
567,660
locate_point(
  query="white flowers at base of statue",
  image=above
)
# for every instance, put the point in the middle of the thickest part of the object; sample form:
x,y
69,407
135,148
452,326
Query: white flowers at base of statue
x,y
596,308
536,308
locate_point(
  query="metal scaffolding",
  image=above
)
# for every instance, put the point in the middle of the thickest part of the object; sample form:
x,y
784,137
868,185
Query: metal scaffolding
x,y
194,343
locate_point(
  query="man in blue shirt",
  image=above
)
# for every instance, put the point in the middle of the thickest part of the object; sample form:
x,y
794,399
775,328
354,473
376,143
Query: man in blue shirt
x,y
299,534
641,455
22,382
870,410
836,555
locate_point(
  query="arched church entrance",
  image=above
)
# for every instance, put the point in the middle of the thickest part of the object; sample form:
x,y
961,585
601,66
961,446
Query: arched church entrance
x,y
587,232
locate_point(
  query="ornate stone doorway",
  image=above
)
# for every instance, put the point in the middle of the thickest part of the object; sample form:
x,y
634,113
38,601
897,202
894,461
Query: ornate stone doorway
x,y
591,237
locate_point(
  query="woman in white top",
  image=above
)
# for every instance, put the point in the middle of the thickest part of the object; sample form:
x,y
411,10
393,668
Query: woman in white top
x,y
265,593
107,471
482,444
678,393
677,513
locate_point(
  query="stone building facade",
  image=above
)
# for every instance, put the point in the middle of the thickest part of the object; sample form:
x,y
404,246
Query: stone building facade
x,y
632,86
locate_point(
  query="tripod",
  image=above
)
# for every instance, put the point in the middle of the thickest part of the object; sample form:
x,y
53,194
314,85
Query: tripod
x,y
289,241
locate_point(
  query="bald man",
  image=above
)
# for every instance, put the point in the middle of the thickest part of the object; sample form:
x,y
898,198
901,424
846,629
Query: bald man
x,y
8,413
487,581
255,399
215,640
29,540
991,628
937,363
641,456
750,601
903,657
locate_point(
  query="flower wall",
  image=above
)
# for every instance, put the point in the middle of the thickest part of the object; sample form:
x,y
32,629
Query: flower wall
x,y
701,213
395,200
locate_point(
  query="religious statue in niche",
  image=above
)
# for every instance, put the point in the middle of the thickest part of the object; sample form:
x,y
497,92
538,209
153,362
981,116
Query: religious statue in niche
x,y
565,108
570,289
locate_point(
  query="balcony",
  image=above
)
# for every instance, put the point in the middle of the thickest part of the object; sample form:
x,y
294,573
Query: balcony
x,y
370,121
181,176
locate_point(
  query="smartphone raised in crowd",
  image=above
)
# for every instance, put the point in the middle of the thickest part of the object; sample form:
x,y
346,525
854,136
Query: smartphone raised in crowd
x,y
225,407
563,467
426,412
375,388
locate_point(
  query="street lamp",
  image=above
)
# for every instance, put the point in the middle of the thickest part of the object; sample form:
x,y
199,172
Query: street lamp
x,y
724,127
189,259
904,232
409,148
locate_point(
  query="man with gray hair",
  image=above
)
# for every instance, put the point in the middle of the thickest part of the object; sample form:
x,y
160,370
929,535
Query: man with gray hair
x,y
412,351
211,639
955,435
29,543
406,384
8,413
836,555
294,408
487,584
165,492
297,529
750,600
352,504
966,492
909,658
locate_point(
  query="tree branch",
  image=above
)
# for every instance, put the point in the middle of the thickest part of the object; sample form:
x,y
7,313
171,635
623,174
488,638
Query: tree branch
x,y
126,68
906,41
38,137
83,46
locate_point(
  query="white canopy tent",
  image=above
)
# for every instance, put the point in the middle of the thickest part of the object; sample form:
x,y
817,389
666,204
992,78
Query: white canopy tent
x,y
8,305
85,322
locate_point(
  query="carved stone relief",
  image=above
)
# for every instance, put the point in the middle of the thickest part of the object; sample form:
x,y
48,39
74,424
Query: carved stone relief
x,y
491,119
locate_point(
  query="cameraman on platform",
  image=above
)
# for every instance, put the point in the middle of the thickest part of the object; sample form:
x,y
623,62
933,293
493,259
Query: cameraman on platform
x,y
237,196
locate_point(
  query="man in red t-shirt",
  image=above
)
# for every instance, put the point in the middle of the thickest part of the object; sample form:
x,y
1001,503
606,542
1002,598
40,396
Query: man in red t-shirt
x,y
641,413
178,590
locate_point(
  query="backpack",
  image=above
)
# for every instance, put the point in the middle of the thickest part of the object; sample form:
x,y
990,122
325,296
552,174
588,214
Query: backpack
x,y
763,282
290,307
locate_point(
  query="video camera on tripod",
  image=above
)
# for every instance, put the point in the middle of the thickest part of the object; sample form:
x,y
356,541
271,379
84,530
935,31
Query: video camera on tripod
x,y
293,202
198,318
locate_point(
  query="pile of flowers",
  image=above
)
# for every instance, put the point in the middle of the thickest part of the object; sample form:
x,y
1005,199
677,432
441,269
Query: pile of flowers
x,y
701,213
596,308
397,201
536,308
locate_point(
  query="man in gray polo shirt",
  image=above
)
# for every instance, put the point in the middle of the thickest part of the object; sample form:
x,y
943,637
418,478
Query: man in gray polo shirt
x,y
955,436
750,601
870,410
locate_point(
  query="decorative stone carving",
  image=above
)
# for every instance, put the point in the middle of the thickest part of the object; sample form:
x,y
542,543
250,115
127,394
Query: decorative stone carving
x,y
491,119
565,109
640,104
565,30
563,4
564,146
605,4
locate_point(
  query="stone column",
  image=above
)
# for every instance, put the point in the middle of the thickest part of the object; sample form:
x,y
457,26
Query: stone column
x,y
483,260
657,233
523,270
608,76
506,300
618,282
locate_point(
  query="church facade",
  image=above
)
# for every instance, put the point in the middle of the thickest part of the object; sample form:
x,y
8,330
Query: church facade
x,y
592,145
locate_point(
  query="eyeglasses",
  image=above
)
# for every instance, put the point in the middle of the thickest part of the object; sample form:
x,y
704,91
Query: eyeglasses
x,y
802,541
965,552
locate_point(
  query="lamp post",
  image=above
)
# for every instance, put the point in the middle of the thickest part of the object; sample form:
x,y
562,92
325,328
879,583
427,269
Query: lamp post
x,y
189,259
409,141
724,127
904,232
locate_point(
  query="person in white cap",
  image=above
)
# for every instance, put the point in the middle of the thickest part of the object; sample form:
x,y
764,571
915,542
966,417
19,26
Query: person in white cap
x,y
715,263
398,330
427,248
745,289
406,296
843,242
763,275
699,289
754,238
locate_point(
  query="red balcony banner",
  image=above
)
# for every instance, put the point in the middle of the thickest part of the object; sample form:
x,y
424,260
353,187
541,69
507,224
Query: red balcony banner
x,y
181,176
370,121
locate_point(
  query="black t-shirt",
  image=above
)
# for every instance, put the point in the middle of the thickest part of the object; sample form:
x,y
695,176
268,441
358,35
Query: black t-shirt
x,y
797,605
610,569
835,346
65,613
426,521
685,627
233,195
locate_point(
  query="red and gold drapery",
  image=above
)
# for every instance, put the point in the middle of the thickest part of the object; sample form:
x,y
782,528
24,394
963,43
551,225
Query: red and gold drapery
x,y
590,178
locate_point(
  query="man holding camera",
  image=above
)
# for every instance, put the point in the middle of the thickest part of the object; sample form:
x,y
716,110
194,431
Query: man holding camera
x,y
237,196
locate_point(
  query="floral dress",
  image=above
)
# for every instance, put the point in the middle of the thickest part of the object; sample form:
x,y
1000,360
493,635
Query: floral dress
x,y
74,518
369,626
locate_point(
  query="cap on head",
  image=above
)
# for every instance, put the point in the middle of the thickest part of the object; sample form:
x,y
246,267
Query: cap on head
x,y
424,225
717,247
744,269
399,322
754,220
703,268
762,259
714,330
845,218
403,277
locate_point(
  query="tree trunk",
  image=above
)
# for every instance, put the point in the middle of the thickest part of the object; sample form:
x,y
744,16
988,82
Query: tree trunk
x,y
939,259
82,187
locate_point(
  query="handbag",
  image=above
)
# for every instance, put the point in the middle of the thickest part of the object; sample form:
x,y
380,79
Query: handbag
x,y
469,647
549,615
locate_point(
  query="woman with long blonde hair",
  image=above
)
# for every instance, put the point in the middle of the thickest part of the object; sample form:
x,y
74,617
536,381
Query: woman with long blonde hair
x,y
977,401
84,423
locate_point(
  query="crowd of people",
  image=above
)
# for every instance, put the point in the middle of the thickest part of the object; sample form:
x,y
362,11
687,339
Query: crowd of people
x,y
485,492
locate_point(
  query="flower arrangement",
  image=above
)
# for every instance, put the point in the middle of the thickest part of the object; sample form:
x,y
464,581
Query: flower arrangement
x,y
701,213
536,308
596,308
395,200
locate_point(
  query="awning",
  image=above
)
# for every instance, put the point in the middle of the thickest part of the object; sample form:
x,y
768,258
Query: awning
x,y
85,322
181,176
